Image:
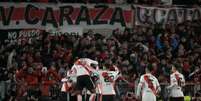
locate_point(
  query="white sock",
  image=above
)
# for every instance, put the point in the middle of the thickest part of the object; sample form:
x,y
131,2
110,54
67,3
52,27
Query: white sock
x,y
92,97
79,98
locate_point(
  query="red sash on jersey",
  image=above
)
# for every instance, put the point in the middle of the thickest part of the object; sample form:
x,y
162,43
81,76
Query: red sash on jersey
x,y
67,88
178,79
150,84
78,62
106,76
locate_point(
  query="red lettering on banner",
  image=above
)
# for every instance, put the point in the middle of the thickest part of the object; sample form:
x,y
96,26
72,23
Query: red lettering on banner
x,y
19,13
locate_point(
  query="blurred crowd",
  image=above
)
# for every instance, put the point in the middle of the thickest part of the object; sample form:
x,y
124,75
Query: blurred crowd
x,y
144,2
41,64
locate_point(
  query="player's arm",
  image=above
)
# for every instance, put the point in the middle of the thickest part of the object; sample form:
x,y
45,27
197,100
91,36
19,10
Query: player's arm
x,y
158,88
139,88
172,82
124,79
90,65
119,76
130,84
182,81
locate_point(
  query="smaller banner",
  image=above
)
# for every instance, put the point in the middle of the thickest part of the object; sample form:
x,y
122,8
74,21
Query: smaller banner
x,y
21,35
77,31
164,15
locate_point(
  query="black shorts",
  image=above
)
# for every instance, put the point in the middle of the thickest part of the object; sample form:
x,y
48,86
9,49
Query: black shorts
x,y
107,97
67,97
176,98
33,92
84,81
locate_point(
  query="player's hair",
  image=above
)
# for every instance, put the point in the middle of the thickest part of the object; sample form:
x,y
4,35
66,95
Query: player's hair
x,y
176,65
93,65
149,67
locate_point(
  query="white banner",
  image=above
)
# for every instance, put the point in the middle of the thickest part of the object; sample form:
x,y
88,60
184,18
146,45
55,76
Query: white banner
x,y
163,15
39,15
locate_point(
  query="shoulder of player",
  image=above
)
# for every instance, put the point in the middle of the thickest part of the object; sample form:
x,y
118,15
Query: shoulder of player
x,y
73,67
153,77
142,76
171,75
89,61
177,72
76,65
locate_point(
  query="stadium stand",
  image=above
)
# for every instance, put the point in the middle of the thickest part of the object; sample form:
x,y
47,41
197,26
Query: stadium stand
x,y
25,68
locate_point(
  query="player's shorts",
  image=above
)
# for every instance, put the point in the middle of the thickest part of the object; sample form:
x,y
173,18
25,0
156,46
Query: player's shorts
x,y
176,98
107,97
67,97
33,92
84,81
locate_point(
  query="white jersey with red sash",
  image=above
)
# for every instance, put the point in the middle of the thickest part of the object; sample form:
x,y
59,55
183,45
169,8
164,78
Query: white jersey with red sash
x,y
106,82
82,67
176,82
148,87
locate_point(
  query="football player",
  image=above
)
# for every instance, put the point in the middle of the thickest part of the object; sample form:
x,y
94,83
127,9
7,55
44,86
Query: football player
x,y
148,87
84,68
177,81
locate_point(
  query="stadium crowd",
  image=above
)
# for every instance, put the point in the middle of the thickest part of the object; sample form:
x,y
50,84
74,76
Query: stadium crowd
x,y
130,50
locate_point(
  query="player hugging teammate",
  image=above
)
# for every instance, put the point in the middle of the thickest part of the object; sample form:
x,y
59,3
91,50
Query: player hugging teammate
x,y
100,84
85,73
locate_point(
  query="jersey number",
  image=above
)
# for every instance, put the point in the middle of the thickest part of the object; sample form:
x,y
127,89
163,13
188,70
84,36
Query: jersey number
x,y
109,78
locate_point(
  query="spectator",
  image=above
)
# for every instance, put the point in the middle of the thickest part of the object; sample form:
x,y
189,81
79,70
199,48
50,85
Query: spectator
x,y
3,79
11,86
28,80
48,79
159,45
